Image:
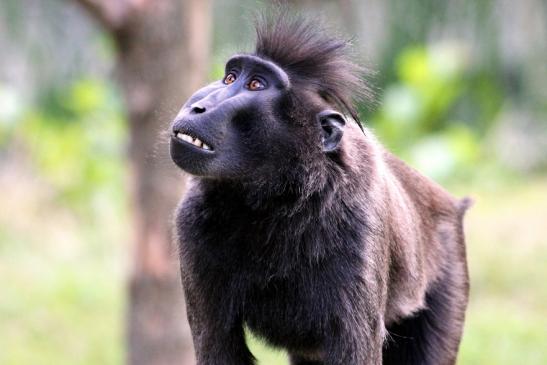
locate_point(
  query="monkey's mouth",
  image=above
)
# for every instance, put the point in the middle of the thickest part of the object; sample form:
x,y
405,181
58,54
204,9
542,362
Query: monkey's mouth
x,y
195,141
190,153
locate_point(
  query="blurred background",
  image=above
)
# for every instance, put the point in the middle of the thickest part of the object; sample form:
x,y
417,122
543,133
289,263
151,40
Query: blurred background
x,y
87,269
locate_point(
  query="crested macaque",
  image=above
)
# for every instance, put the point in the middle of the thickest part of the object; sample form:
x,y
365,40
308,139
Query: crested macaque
x,y
299,226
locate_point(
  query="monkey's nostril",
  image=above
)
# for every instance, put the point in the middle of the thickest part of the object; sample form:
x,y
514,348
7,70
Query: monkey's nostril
x,y
198,109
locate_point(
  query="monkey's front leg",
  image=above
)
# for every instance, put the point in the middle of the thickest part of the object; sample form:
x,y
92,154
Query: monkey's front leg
x,y
355,341
218,339
215,346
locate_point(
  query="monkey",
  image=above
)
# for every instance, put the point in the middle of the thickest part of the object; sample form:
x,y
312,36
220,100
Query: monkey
x,y
299,226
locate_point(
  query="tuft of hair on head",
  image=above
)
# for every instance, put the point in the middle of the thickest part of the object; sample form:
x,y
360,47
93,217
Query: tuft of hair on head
x,y
308,53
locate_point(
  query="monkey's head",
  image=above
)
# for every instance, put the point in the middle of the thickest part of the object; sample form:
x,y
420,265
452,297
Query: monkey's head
x,y
282,108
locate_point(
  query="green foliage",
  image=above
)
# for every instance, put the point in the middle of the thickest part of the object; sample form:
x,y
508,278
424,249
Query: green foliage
x,y
67,314
63,226
76,139
419,116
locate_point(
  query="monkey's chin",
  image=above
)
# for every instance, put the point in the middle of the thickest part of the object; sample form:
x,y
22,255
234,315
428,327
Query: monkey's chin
x,y
190,158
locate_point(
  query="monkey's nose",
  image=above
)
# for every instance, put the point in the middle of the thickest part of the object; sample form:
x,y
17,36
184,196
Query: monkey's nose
x,y
197,109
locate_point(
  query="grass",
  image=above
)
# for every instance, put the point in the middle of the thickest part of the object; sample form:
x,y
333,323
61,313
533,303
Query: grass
x,y
62,298
507,252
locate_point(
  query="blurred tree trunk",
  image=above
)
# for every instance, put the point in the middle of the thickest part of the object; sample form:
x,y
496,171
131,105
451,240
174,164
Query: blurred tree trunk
x,y
162,57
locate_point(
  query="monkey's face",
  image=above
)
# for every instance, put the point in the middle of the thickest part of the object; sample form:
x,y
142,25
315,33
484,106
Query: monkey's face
x,y
244,125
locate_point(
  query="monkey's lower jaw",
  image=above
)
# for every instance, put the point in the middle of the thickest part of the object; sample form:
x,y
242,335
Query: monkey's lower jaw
x,y
191,154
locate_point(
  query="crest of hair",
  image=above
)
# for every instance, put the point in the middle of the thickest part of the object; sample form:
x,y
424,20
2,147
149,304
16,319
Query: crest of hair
x,y
308,53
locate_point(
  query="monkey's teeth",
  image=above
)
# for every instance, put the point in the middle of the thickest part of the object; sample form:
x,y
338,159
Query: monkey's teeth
x,y
184,137
195,141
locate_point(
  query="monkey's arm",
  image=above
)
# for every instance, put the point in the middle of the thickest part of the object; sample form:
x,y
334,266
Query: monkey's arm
x,y
356,334
218,340
350,348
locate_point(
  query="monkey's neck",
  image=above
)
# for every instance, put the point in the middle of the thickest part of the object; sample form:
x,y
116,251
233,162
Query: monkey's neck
x,y
284,231
285,192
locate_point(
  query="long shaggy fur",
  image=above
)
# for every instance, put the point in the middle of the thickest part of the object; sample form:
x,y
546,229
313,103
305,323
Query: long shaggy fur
x,y
316,59
345,257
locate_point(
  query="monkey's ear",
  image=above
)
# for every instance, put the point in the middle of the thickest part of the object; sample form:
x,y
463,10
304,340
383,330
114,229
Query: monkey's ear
x,y
332,128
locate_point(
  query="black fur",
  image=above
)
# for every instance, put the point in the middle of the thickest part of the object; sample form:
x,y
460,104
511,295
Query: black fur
x,y
340,256
313,58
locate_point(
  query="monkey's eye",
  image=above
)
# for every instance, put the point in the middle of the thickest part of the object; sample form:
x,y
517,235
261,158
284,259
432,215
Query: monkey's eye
x,y
256,84
230,78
